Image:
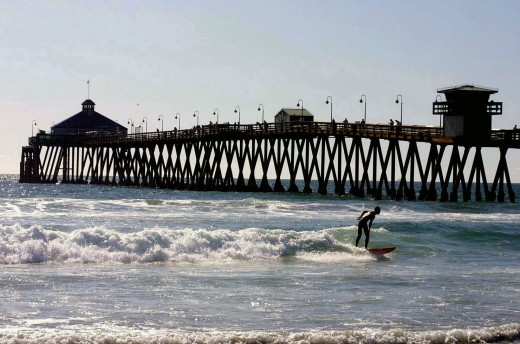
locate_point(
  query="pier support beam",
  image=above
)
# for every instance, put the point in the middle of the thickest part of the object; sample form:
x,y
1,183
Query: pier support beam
x,y
371,166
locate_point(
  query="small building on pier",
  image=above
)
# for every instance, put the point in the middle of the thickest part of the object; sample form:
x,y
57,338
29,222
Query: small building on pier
x,y
467,112
88,121
293,115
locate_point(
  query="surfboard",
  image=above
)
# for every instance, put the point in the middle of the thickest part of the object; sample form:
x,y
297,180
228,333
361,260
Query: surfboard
x,y
382,250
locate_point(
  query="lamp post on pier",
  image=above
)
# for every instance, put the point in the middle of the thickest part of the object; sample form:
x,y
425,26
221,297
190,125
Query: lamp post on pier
x,y
215,113
327,102
178,116
298,105
196,114
161,118
397,102
439,99
361,101
33,124
261,107
145,121
131,122
238,107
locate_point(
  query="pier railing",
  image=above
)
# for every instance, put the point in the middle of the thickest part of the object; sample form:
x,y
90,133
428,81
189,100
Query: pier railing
x,y
313,129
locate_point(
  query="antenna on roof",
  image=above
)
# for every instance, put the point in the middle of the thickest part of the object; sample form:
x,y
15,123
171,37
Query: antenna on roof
x,y
88,89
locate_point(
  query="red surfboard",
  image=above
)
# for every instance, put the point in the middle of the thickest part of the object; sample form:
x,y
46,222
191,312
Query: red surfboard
x,y
382,250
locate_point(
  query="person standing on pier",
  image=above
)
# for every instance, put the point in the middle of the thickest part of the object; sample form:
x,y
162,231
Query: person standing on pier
x,y
365,223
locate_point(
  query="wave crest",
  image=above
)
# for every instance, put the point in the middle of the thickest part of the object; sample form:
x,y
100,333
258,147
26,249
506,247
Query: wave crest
x,y
35,244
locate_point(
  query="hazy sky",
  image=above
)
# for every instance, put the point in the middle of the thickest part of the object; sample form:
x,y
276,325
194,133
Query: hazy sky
x,y
185,56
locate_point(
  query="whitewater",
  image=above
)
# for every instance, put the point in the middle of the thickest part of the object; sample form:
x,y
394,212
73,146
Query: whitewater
x,y
107,264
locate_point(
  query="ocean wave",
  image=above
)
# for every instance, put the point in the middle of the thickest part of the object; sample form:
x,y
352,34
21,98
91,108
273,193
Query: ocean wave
x,y
509,333
35,244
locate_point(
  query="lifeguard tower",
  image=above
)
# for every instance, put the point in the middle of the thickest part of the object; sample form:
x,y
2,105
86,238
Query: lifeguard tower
x,y
467,112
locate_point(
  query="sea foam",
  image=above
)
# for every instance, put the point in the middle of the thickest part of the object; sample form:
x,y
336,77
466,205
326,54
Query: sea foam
x,y
509,333
35,244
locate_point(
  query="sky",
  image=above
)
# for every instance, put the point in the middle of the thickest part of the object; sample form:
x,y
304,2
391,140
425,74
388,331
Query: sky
x,y
150,58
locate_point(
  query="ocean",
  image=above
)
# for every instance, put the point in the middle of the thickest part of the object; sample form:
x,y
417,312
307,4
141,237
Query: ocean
x,y
107,264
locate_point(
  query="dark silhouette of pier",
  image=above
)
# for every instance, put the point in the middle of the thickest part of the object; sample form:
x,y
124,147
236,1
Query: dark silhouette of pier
x,y
361,159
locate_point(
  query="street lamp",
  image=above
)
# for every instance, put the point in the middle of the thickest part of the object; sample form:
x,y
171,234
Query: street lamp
x,y
178,115
196,114
330,106
33,124
261,106
145,121
439,99
361,101
397,102
298,105
215,113
131,122
161,118
238,107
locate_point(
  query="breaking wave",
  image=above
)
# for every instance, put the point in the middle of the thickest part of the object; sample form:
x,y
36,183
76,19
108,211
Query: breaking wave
x,y
35,244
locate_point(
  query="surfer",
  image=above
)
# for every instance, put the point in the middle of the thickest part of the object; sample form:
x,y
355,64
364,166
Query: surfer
x,y
365,223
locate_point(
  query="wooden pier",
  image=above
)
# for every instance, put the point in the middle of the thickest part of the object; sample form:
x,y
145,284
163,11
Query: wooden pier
x,y
361,159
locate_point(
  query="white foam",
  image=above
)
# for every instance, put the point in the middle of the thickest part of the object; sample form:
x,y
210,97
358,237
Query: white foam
x,y
107,333
36,244
357,255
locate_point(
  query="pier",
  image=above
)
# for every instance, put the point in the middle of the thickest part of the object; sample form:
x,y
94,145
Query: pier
x,y
398,162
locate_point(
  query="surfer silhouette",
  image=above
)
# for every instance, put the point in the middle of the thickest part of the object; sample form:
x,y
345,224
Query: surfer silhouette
x,y
365,223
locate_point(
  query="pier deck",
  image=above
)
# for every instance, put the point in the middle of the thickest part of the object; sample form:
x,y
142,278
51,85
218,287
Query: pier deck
x,y
230,156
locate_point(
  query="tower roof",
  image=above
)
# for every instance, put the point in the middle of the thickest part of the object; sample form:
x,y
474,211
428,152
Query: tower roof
x,y
87,120
467,88
295,112
88,102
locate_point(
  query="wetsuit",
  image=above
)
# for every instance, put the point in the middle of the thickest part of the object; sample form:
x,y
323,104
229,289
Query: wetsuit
x,y
365,223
